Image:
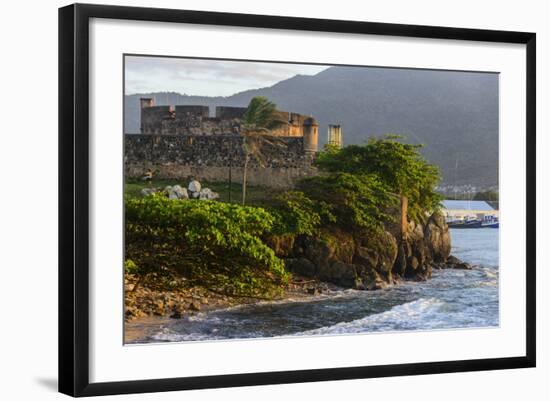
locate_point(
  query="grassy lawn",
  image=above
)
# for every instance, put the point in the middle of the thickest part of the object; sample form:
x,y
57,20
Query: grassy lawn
x,y
255,195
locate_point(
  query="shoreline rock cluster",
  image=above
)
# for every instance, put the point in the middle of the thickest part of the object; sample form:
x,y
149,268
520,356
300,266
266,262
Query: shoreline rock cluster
x,y
143,300
371,262
175,303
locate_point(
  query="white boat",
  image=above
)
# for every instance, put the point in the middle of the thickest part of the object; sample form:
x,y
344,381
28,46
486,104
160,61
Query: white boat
x,y
489,221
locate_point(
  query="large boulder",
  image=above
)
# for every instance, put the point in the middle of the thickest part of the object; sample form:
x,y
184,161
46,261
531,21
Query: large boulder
x,y
330,257
377,251
438,238
339,258
370,279
317,251
400,265
194,189
342,245
329,246
414,259
339,273
301,266
423,246
194,186
176,192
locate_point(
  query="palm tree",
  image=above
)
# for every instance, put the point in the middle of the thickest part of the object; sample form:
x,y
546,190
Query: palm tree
x,y
259,119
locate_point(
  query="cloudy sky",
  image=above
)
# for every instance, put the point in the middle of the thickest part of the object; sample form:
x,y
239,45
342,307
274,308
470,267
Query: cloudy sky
x,y
205,77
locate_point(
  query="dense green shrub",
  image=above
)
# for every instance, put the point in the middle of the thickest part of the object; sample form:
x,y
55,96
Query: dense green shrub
x,y
213,244
297,214
354,202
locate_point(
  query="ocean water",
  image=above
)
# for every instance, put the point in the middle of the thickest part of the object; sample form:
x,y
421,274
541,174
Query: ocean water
x,y
451,299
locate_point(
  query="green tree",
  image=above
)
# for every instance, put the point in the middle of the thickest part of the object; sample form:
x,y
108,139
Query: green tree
x,y
358,202
399,166
298,214
259,119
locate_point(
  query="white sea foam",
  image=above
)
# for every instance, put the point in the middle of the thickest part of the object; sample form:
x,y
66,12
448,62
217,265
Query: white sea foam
x,y
330,294
401,317
169,335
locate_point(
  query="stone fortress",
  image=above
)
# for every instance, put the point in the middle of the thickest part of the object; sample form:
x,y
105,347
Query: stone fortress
x,y
185,140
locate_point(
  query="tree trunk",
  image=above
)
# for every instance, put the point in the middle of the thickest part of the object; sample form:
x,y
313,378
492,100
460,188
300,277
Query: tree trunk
x,y
245,171
404,222
230,181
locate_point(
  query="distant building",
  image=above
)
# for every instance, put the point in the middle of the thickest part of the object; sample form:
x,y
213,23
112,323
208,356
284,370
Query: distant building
x,y
458,209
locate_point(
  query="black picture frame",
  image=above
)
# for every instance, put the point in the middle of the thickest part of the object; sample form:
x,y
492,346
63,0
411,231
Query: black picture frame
x,y
74,198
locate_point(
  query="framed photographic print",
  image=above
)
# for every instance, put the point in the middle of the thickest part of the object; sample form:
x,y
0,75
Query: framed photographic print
x,y
249,199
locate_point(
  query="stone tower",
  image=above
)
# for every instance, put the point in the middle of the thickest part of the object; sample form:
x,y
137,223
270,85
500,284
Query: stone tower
x,y
335,136
146,102
311,135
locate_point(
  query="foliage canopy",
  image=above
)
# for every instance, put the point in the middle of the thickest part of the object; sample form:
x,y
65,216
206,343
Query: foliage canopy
x,y
261,115
298,214
353,201
398,166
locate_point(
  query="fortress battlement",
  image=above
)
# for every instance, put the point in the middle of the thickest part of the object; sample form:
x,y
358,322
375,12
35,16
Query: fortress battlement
x,y
183,140
196,120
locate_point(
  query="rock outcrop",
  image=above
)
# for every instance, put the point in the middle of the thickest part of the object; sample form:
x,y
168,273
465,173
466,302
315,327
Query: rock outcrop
x,y
370,261
438,238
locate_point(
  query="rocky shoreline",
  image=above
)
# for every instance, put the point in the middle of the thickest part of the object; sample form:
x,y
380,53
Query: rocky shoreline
x,y
333,261
370,261
146,309
146,302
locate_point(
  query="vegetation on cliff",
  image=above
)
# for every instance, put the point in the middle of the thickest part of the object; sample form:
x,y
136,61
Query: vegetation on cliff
x,y
357,242
355,201
334,227
399,167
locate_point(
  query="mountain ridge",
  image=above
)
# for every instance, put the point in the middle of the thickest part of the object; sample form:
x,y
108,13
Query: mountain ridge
x,y
454,114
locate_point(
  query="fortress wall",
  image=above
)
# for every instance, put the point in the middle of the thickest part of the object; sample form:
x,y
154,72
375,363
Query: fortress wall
x,y
195,120
208,157
182,111
152,118
196,125
230,113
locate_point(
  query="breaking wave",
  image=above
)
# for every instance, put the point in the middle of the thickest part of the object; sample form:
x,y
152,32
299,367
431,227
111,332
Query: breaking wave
x,y
426,313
